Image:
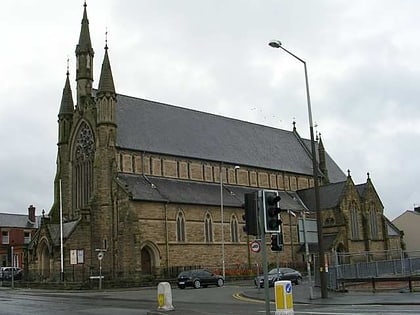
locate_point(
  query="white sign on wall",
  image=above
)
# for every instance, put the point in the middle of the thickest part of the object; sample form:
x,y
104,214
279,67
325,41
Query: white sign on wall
x,y
73,257
80,256
77,256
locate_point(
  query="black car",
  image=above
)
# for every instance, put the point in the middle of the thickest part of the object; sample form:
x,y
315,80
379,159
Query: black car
x,y
198,278
279,274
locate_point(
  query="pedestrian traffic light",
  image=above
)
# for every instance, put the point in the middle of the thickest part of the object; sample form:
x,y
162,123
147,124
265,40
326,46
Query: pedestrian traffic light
x,y
251,214
271,204
277,242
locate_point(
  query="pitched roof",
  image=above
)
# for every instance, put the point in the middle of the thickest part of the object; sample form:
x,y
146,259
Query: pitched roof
x,y
329,195
361,189
17,221
54,230
161,189
150,126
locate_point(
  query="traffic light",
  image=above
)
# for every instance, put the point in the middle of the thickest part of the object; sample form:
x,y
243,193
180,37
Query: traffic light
x,y
277,242
250,217
271,204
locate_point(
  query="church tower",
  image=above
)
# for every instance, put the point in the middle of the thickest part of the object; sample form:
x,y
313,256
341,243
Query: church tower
x,y
84,64
65,123
105,166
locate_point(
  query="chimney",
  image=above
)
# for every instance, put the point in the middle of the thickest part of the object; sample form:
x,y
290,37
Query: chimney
x,y
31,214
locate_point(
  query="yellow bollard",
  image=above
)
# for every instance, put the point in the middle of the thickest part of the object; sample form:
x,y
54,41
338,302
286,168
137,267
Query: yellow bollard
x,y
164,296
283,297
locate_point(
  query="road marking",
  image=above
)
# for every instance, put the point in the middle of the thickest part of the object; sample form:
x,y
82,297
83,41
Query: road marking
x,y
240,297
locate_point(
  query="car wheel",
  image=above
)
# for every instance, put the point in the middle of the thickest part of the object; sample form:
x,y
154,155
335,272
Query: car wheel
x,y
220,282
197,284
298,280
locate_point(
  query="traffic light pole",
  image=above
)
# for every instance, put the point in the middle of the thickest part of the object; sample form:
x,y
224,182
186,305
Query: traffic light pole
x,y
264,252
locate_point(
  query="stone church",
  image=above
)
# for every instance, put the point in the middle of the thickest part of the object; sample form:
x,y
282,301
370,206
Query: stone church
x,y
146,188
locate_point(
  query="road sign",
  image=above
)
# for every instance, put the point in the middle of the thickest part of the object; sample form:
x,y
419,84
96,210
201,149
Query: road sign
x,y
255,246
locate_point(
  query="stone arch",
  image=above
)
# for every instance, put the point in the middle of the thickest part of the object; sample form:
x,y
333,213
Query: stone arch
x,y
44,254
150,258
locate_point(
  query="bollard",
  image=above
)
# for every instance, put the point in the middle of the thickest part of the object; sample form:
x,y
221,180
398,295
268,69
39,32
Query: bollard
x,y
165,296
283,297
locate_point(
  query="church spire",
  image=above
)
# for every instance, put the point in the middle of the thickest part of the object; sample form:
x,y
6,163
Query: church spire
x,y
65,115
84,67
106,82
106,97
322,160
67,104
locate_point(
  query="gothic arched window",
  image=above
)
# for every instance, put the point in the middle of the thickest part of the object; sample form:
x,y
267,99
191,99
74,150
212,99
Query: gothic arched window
x,y
234,234
354,221
373,223
208,229
180,227
84,150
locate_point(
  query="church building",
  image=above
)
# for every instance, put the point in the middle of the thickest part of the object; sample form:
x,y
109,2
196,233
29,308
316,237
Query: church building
x,y
147,188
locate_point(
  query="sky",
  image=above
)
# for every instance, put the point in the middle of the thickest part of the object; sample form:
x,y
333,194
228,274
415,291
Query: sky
x,y
213,55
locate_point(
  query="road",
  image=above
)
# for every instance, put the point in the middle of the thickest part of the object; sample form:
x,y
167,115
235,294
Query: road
x,y
209,301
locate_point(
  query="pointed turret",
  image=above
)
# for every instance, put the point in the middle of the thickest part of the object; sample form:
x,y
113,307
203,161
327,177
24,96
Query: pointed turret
x,y
106,82
322,161
67,105
65,114
105,96
84,67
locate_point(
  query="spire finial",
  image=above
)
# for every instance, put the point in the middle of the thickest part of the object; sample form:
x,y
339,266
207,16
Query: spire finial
x,y
368,175
294,124
106,37
348,173
84,4
68,63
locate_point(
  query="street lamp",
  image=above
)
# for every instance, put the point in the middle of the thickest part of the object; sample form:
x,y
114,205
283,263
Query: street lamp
x,y
221,221
323,272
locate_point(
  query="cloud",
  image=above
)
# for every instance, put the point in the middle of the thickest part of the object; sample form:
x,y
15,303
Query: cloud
x,y
214,56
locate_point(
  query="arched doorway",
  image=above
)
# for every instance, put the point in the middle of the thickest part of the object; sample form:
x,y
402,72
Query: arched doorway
x,y
44,261
150,258
146,261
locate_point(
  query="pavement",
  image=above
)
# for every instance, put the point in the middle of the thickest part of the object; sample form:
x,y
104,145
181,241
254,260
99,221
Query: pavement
x,y
302,294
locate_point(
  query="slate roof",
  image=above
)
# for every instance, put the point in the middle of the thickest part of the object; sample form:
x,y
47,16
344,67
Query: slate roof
x,y
155,127
17,221
361,189
329,195
54,230
161,189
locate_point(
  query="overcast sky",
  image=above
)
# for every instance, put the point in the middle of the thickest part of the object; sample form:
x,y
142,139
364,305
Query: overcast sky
x,y
213,56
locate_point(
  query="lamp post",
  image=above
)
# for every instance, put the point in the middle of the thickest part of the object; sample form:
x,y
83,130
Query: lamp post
x,y
323,274
221,221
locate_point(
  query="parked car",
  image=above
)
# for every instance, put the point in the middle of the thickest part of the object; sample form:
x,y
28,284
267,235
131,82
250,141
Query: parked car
x,y
280,274
6,273
198,278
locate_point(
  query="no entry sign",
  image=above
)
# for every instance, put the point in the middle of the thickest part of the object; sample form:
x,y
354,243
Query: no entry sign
x,y
255,246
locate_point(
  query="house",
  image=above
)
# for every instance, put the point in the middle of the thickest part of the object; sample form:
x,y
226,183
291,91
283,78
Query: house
x,y
147,188
409,222
17,231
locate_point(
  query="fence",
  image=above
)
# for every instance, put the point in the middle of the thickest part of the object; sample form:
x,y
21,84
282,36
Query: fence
x,y
403,266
